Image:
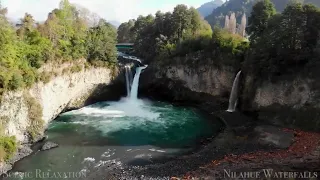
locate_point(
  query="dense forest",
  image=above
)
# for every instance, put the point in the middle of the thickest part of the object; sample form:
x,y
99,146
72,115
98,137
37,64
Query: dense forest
x,y
283,43
176,34
278,42
216,18
69,33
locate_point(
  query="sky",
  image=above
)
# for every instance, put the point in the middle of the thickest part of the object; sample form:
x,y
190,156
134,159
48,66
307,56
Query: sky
x,y
111,10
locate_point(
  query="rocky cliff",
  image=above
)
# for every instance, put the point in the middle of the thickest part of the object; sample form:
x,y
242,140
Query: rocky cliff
x,y
181,83
291,101
25,114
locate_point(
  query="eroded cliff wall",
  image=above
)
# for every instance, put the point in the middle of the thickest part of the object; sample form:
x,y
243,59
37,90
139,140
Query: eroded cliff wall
x,y
291,101
25,114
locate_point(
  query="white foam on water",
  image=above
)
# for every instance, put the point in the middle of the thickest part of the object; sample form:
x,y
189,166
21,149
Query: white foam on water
x,y
140,156
88,159
123,108
155,150
98,112
101,163
108,154
116,116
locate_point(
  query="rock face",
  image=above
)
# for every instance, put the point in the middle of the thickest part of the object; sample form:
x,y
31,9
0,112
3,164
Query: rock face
x,y
62,92
183,82
292,102
205,79
47,100
296,93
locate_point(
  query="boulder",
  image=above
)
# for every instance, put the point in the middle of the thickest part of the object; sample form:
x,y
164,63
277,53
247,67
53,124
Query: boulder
x,y
274,136
49,145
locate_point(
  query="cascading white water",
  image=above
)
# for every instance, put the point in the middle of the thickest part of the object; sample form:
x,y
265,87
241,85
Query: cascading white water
x,y
234,94
128,79
135,83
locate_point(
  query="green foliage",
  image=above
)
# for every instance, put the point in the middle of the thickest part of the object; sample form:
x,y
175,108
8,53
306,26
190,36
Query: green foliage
x,y
16,81
125,33
76,68
8,146
101,43
36,124
45,77
288,42
160,35
261,13
64,36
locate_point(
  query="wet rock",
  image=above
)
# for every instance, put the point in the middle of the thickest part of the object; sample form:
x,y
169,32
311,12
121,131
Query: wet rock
x,y
270,135
49,145
23,151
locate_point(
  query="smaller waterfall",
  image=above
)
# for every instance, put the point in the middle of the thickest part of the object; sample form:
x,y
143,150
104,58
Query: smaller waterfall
x,y
135,83
128,75
233,101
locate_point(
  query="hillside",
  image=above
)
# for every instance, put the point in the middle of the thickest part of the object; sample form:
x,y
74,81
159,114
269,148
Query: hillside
x,y
207,8
217,17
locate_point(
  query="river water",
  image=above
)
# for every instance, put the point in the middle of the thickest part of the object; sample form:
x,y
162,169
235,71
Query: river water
x,y
116,134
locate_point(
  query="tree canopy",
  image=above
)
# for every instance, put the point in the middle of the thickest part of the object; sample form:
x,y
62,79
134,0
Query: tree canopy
x,y
69,33
285,42
161,34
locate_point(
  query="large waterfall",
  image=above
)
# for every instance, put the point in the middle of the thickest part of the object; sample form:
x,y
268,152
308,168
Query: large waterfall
x,y
135,83
234,94
128,75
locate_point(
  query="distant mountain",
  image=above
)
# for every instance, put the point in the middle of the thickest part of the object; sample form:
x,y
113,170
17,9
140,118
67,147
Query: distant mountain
x,y
207,8
115,23
217,17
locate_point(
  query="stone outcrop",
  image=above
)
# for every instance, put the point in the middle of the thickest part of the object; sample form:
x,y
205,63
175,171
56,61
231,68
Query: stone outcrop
x,y
62,92
49,145
178,82
207,79
290,101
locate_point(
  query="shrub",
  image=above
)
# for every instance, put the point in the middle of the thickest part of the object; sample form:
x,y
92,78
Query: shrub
x,y
45,77
76,68
35,116
8,146
16,81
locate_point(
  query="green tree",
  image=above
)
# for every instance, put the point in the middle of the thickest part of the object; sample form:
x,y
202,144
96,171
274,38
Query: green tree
x,y
27,24
125,34
181,20
258,21
101,42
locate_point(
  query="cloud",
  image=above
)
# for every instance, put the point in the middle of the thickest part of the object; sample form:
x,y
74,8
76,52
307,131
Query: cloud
x,y
112,10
